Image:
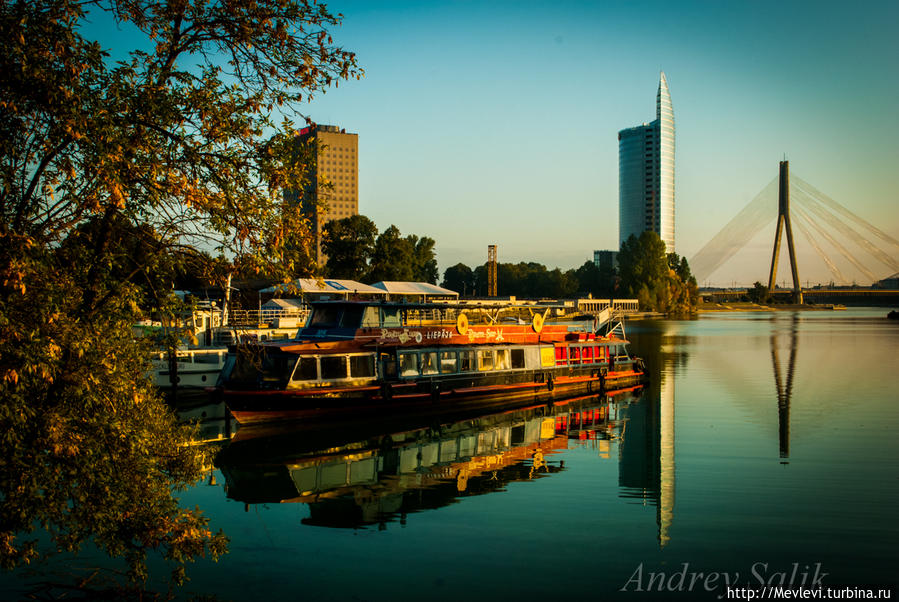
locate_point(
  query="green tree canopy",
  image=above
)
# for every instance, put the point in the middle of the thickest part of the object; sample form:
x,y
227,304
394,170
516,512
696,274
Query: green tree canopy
x,y
349,244
392,257
402,258
424,263
177,143
527,280
593,280
660,282
459,278
758,293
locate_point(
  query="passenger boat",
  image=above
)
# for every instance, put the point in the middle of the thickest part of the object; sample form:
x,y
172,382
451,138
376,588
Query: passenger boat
x,y
383,357
187,368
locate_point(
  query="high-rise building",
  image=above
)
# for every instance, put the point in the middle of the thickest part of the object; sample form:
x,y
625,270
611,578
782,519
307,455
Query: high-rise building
x,y
646,174
333,187
605,260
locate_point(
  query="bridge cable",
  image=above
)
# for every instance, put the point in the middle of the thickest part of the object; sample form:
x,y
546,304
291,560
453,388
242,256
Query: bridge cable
x,y
736,234
846,230
837,207
839,247
801,220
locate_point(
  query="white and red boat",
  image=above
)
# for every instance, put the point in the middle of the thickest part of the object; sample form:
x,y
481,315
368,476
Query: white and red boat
x,y
382,357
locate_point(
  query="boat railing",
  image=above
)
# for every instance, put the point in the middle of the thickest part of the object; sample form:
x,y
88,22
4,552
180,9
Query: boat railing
x,y
476,314
192,356
255,317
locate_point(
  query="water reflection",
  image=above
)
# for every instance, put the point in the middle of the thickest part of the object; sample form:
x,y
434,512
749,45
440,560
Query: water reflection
x,y
715,498
647,467
784,386
352,474
213,421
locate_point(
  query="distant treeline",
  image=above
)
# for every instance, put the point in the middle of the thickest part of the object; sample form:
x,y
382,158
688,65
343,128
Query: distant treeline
x,y
660,282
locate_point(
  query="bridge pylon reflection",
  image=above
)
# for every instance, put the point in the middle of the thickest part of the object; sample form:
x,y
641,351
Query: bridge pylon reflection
x,y
784,384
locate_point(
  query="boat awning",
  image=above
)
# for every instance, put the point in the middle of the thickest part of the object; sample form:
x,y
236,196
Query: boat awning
x,y
420,290
334,288
284,304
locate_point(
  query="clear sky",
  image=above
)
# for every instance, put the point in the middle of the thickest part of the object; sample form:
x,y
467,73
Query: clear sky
x,y
496,122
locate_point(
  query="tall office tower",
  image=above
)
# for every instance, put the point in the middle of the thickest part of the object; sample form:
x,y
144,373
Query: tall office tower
x,y
646,174
333,188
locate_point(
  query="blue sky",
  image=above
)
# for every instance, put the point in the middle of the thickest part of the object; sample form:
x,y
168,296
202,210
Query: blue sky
x,y
496,122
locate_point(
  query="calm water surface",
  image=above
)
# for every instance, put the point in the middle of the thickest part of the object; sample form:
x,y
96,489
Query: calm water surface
x,y
764,450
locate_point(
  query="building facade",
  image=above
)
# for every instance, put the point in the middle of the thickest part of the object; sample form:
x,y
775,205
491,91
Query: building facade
x,y
646,174
605,260
333,189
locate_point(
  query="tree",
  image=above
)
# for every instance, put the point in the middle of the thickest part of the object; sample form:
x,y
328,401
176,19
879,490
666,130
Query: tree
x,y
349,244
176,142
758,293
392,257
642,261
660,282
594,280
355,250
459,278
424,264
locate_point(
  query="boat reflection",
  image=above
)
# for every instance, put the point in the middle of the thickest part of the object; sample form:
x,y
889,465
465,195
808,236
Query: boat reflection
x,y
355,475
214,423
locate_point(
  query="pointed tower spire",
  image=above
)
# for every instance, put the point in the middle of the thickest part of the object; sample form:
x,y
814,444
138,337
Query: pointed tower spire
x,y
665,204
663,98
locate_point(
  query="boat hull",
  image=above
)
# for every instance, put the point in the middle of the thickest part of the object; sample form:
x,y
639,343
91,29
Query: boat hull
x,y
191,369
428,396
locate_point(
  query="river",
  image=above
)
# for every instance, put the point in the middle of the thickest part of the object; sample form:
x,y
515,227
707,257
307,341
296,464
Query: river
x,y
762,452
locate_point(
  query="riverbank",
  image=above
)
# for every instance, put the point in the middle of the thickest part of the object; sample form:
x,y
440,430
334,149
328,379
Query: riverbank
x,y
747,306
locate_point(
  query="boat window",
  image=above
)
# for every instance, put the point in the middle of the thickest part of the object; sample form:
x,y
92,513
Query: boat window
x,y
390,317
370,318
306,370
324,316
388,365
561,356
352,316
600,353
429,362
448,362
275,369
362,366
409,363
485,359
518,358
333,367
466,361
502,359
574,356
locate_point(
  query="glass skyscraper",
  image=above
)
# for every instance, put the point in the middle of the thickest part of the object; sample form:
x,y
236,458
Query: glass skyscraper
x,y
646,174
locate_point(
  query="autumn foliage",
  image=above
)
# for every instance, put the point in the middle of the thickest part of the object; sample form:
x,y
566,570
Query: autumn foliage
x,y
113,170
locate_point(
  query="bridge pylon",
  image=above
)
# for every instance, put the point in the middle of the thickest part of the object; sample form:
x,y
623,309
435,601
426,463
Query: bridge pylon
x,y
783,223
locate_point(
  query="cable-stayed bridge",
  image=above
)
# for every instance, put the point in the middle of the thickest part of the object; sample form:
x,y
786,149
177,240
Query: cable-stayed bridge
x,y
846,243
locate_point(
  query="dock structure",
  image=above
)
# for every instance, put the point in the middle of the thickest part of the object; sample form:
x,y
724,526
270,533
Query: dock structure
x,y
595,306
